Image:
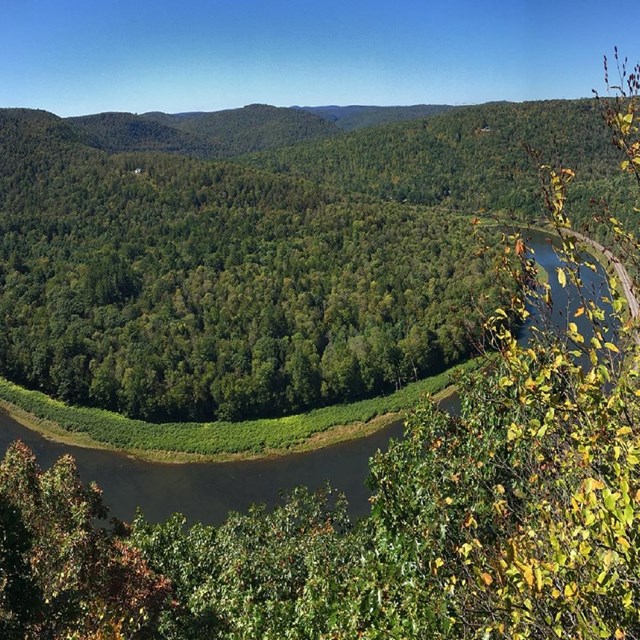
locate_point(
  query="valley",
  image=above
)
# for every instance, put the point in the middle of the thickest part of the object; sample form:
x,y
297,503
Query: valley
x,y
232,309
160,302
356,360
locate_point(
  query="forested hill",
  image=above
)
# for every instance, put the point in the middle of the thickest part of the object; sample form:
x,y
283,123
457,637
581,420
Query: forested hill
x,y
354,117
219,134
258,126
114,132
27,134
34,143
471,158
169,287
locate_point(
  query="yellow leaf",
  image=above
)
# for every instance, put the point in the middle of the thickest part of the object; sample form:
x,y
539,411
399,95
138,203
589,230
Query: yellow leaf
x,y
527,573
435,565
501,507
619,634
579,312
538,579
612,347
592,484
624,543
562,278
514,432
486,578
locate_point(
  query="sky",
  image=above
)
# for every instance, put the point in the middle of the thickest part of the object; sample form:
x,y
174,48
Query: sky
x,y
75,57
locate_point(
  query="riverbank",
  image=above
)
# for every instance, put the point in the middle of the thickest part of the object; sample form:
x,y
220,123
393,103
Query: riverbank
x,y
217,441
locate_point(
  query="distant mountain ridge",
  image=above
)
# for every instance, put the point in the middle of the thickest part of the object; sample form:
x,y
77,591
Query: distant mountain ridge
x,y
352,117
218,134
234,132
252,128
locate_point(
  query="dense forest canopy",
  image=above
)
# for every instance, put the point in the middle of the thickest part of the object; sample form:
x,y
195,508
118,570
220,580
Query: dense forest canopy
x,y
170,288
218,134
482,158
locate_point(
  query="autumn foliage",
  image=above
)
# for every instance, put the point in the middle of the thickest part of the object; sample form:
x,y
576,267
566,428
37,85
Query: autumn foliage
x,y
61,575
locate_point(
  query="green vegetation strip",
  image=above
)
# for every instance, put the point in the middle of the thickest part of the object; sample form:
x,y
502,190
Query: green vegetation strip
x,y
211,440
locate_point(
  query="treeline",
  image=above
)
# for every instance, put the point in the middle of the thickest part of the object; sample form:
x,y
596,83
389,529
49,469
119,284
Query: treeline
x,y
169,289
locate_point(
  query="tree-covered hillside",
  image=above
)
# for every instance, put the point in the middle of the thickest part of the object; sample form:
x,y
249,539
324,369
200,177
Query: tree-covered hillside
x,y
219,134
257,126
170,288
114,132
165,287
473,158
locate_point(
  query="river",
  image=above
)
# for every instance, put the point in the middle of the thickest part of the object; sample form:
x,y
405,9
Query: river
x,y
208,492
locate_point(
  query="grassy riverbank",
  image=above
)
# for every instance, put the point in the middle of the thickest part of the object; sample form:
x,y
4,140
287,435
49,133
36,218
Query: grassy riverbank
x,y
215,441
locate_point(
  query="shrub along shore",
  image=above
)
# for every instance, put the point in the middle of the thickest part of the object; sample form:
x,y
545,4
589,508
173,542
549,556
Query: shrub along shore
x,y
217,441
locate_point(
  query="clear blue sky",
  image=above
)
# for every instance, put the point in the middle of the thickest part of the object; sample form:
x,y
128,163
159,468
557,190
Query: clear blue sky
x,y
74,57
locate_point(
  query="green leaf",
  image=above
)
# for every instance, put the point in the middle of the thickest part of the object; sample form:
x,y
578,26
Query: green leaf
x,y
610,500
